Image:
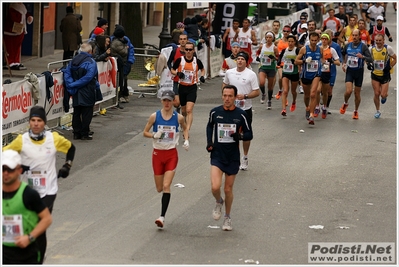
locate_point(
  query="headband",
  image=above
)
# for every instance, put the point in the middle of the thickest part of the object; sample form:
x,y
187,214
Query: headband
x,y
270,34
325,35
244,55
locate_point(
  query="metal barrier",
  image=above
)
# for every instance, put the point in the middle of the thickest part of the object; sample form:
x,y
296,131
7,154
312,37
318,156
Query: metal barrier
x,y
143,70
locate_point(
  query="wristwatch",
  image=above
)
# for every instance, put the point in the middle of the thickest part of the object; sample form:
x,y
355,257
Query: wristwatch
x,y
245,96
31,238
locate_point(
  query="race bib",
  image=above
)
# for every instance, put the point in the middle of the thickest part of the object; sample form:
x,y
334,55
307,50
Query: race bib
x,y
265,60
12,227
168,135
224,132
288,67
379,64
37,180
313,66
188,76
353,62
326,67
240,103
243,41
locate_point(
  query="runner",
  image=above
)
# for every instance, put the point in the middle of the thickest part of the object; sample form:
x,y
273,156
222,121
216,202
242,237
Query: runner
x,y
281,44
290,73
384,59
355,53
310,58
248,88
267,56
165,134
227,125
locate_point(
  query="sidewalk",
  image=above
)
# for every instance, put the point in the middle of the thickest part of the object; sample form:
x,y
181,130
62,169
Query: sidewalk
x,y
38,65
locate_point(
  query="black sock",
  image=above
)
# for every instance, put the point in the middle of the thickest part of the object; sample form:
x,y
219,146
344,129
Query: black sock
x,y
165,203
329,100
262,89
269,94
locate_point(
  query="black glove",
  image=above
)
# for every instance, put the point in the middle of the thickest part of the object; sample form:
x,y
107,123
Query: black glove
x,y
64,171
370,66
292,61
202,79
209,147
390,39
330,60
271,56
25,168
258,59
236,136
180,75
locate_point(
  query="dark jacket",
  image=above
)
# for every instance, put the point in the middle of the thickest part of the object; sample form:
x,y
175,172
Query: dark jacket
x,y
81,75
70,28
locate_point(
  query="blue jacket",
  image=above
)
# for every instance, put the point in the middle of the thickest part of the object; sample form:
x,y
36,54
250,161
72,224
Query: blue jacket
x,y
80,79
130,57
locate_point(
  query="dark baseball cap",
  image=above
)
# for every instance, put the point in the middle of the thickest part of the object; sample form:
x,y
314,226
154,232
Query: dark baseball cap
x,y
168,94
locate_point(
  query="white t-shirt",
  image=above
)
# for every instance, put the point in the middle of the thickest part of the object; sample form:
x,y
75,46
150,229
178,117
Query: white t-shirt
x,y
246,81
375,12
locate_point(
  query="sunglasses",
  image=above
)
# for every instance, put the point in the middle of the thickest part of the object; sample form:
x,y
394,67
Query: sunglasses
x,y
6,169
303,18
286,31
188,49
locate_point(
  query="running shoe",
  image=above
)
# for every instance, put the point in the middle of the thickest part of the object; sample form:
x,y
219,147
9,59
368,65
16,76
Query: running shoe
x,y
301,89
383,100
342,110
307,114
377,115
227,224
324,113
217,211
160,221
316,112
269,104
244,164
311,120
355,115
293,107
284,112
328,110
122,100
278,95
262,100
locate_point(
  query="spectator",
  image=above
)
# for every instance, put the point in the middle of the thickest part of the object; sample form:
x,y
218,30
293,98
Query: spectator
x,y
204,31
70,28
13,37
102,51
81,76
123,49
191,28
102,23
176,32
295,28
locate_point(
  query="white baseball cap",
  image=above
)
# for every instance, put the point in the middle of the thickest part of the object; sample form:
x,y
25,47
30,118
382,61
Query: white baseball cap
x,y
304,26
380,18
11,159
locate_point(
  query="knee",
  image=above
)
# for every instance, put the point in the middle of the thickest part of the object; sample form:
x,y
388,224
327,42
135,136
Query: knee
x,y
228,190
189,111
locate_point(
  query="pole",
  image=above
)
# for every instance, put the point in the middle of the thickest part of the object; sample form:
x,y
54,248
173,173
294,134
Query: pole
x,y
164,36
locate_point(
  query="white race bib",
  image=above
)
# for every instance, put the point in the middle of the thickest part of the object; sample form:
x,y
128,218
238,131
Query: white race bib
x,y
12,227
353,62
313,66
240,103
379,64
224,132
168,135
37,180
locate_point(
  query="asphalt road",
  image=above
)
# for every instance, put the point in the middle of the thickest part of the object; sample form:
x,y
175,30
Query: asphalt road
x,y
339,173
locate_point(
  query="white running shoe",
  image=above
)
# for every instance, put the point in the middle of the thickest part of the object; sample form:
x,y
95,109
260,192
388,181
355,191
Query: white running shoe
x,y
244,164
227,224
262,100
160,221
300,89
217,211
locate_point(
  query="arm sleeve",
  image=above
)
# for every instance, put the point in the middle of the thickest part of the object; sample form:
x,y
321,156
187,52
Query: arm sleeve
x,y
32,200
209,127
15,145
176,64
200,65
366,54
387,33
171,57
